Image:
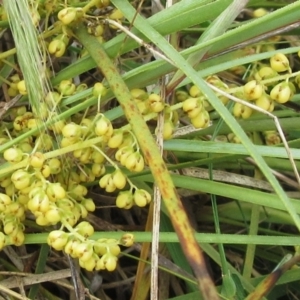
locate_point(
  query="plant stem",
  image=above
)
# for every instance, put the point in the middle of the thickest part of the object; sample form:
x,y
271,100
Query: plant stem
x,y
151,152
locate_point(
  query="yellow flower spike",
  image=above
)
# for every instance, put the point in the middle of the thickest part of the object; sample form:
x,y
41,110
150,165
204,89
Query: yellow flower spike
x,y
195,112
116,139
127,240
65,142
21,86
85,229
13,155
55,191
114,249
71,130
194,91
201,120
259,12
281,92
97,157
265,102
272,138
265,73
139,94
98,30
55,165
279,62
141,197
46,171
57,48
78,190
37,160
155,103
9,227
53,215
20,179
108,262
253,90
57,239
89,264
42,220
131,161
103,182
67,15
190,104
84,251
123,153
57,126
66,87
100,246
86,154
40,202
168,130
71,246
119,179
4,183
98,169
116,15
103,127
99,89
124,200
240,110
110,187
18,238
89,204
87,175
181,95
5,200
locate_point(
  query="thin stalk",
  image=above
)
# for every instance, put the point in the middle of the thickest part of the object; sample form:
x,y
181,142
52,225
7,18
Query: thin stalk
x,y
151,152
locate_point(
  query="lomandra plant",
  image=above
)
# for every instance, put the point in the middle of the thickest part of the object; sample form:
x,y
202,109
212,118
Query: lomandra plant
x,y
227,101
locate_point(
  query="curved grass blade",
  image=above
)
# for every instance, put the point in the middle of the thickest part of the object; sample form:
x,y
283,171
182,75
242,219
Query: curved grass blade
x,y
157,165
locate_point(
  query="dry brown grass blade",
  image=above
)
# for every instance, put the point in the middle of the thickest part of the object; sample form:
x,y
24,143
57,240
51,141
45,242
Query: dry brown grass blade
x,y
30,279
142,283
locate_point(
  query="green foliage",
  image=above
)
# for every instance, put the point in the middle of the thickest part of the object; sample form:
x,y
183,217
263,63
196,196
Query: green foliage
x,y
67,137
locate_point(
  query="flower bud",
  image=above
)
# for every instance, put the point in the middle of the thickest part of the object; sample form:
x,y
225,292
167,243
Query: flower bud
x,y
66,87
13,155
99,89
241,110
67,15
36,160
141,197
201,120
116,139
124,200
279,62
20,179
253,90
264,102
21,86
127,239
281,92
57,48
103,127
85,229
119,179
57,239
71,130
